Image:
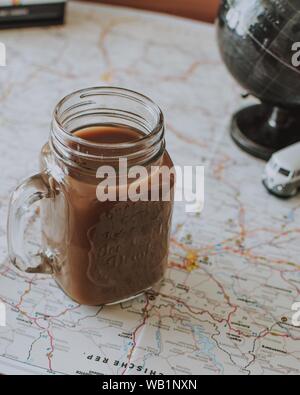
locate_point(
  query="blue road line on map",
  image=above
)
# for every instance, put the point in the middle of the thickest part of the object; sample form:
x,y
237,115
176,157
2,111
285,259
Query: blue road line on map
x,y
32,344
158,339
291,216
218,247
159,345
208,346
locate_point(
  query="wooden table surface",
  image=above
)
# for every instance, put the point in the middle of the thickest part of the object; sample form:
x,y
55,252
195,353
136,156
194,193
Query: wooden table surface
x,y
204,10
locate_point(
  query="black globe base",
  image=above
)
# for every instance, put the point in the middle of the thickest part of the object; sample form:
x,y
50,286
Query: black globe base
x,y
262,130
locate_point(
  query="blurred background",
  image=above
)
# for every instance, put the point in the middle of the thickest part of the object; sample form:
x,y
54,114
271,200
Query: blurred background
x,y
204,10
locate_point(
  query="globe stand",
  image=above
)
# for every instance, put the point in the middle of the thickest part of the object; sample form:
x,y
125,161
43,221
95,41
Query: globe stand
x,y
262,130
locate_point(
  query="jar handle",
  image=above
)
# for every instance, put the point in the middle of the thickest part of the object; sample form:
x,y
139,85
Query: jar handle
x,y
31,191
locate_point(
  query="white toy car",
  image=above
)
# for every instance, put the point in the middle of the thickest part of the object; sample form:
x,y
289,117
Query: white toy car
x,y
282,173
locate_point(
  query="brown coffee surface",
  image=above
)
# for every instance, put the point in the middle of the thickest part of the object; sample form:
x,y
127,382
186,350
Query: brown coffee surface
x,y
107,251
109,134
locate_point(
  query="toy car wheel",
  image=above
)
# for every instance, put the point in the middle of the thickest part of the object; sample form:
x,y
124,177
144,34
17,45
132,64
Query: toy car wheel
x,y
294,192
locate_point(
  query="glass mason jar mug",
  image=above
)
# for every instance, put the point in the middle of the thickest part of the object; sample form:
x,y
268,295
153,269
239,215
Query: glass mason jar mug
x,y
100,251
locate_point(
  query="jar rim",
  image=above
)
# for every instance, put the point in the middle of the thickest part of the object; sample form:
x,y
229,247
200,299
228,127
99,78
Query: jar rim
x,y
116,91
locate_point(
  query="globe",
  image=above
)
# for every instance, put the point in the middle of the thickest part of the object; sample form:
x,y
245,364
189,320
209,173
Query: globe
x,y
259,41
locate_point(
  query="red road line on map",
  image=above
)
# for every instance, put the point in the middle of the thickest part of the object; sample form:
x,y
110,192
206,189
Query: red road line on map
x,y
5,271
248,254
67,310
235,238
35,320
230,314
267,331
222,289
134,334
227,320
220,167
50,354
185,138
289,282
18,305
285,335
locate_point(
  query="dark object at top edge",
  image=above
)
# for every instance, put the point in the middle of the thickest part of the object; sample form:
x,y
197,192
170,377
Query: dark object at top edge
x,y
32,15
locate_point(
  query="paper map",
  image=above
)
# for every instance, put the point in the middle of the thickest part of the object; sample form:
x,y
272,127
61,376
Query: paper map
x,y
234,271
